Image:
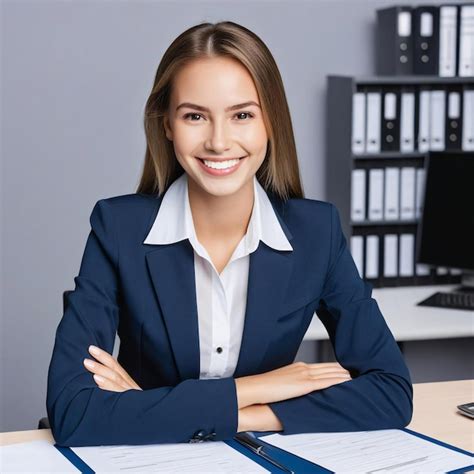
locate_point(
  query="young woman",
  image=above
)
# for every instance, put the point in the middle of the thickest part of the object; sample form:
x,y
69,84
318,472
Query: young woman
x,y
211,273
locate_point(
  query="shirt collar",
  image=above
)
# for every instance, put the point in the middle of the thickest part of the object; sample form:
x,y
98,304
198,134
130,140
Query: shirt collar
x,y
174,221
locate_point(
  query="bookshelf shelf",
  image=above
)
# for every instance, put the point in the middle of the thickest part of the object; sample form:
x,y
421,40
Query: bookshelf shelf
x,y
394,223
387,155
403,80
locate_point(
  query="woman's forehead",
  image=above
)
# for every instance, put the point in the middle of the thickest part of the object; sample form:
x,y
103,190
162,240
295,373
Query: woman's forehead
x,y
214,82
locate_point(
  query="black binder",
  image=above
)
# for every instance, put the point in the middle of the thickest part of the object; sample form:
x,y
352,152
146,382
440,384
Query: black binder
x,y
394,53
390,133
426,40
453,118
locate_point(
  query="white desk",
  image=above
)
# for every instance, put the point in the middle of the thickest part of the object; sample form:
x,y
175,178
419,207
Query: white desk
x,y
409,322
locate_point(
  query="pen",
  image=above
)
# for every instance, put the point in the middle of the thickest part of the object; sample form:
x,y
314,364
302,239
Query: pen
x,y
251,443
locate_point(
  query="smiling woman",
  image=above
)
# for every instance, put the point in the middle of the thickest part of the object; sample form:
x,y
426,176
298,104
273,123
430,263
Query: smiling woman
x,y
211,273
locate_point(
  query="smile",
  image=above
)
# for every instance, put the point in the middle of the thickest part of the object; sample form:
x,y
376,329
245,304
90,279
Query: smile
x,y
219,168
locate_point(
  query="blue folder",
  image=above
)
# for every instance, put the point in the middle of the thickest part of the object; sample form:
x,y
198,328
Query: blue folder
x,y
295,463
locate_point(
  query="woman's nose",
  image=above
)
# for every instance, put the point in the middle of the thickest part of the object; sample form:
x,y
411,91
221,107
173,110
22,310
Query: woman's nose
x,y
219,137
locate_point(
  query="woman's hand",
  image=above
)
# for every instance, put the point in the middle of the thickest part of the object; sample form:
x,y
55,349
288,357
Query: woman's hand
x,y
289,381
108,373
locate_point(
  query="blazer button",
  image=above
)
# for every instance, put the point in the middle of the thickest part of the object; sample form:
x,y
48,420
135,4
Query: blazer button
x,y
219,350
209,436
198,437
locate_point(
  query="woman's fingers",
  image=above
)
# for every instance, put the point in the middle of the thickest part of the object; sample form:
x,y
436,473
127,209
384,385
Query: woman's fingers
x,y
323,372
327,367
107,384
107,367
108,360
330,381
105,372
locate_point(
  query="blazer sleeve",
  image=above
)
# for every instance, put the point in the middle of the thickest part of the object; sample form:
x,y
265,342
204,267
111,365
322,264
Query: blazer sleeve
x,y
81,413
380,394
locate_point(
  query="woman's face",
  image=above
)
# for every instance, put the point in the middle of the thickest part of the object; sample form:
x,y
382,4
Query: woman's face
x,y
203,125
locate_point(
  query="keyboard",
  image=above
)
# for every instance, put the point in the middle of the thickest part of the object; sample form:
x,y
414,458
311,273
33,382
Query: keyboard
x,y
451,300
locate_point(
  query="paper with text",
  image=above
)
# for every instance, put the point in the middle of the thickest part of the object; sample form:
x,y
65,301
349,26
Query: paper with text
x,y
371,451
209,456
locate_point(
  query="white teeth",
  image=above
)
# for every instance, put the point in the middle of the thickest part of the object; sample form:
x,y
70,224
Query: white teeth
x,y
220,165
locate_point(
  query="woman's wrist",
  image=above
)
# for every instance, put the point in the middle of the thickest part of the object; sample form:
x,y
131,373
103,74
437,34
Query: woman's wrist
x,y
248,392
258,418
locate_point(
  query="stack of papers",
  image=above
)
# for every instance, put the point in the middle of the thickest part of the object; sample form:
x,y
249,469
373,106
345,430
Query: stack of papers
x,y
379,451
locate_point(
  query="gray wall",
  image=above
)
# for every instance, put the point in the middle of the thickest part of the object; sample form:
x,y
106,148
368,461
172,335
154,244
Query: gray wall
x,y
75,76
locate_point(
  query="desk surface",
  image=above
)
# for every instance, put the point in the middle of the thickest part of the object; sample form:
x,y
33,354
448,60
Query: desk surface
x,y
409,322
435,414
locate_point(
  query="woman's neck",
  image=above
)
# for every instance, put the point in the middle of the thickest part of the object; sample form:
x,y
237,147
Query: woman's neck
x,y
220,217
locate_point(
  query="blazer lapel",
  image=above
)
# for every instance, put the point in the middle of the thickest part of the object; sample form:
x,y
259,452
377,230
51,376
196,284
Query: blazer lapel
x,y
171,269
172,273
269,275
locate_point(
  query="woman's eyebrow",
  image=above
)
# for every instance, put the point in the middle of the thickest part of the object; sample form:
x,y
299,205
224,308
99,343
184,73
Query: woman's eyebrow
x,y
205,109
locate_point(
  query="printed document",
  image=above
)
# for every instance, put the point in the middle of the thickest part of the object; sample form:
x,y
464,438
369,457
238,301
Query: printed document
x,y
375,451
209,456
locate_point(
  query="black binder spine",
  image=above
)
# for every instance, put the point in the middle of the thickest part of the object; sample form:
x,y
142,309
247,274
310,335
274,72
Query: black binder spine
x,y
394,54
454,118
390,136
426,40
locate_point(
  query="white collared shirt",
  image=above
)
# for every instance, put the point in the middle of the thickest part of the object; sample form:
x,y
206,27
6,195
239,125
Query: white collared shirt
x,y
221,299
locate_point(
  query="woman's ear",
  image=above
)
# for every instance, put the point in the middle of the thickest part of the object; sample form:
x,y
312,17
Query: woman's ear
x,y
166,125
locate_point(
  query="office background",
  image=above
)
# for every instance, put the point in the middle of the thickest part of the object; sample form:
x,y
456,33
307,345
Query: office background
x,y
75,76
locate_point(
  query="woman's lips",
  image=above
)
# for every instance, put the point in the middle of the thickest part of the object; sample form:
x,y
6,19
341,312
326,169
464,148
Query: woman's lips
x,y
220,172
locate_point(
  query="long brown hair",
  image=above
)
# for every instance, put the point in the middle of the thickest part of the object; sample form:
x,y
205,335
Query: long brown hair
x,y
279,172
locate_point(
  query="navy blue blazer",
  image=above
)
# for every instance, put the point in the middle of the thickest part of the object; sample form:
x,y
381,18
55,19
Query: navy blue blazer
x,y
146,293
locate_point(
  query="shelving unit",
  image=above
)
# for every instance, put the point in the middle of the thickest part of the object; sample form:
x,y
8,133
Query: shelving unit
x,y
341,161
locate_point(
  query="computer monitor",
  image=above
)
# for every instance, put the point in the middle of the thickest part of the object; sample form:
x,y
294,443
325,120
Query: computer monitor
x,y
446,228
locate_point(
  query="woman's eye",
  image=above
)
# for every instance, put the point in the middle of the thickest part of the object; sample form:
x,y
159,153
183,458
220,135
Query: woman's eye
x,y
245,113
193,114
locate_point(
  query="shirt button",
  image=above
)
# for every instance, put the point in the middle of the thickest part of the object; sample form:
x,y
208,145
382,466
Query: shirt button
x,y
219,350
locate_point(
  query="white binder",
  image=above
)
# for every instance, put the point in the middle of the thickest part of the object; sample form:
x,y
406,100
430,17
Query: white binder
x,y
468,120
392,194
407,250
447,40
358,195
358,123
420,191
422,269
374,106
376,194
466,46
442,270
407,193
455,271
424,121
357,251
372,256
437,120
407,122
390,255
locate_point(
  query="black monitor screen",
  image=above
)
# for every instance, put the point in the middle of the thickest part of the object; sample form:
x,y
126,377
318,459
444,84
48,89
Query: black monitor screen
x,y
446,230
